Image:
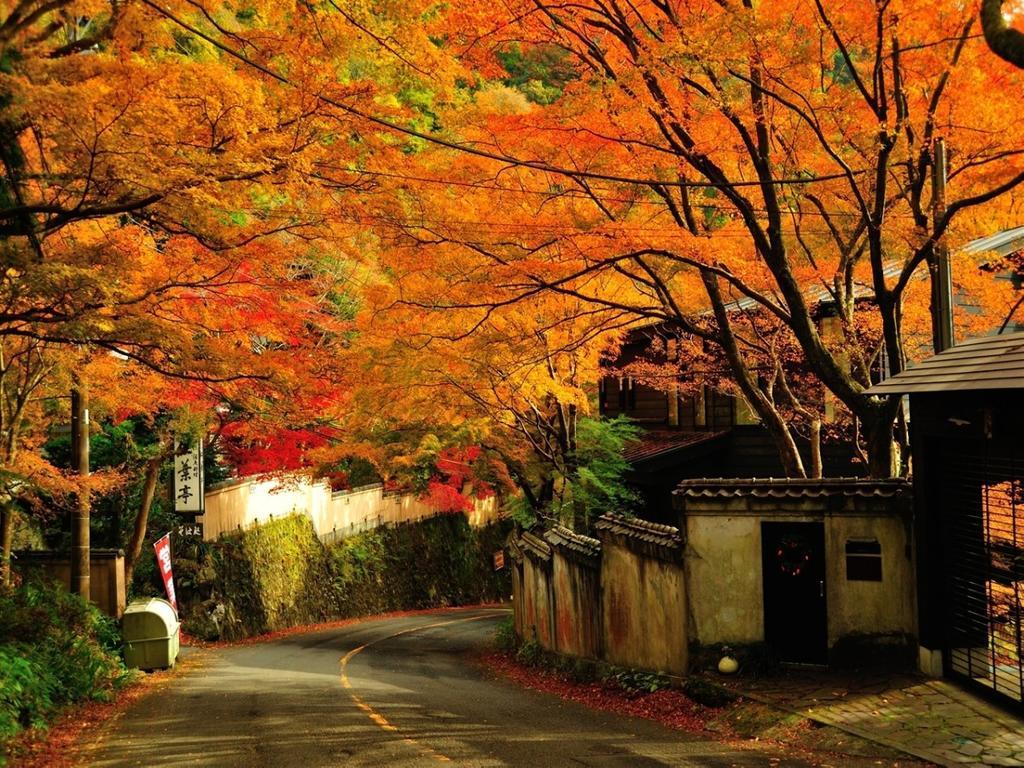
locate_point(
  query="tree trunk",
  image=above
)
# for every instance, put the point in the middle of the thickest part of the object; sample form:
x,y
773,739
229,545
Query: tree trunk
x,y
816,465
789,454
142,519
882,455
6,542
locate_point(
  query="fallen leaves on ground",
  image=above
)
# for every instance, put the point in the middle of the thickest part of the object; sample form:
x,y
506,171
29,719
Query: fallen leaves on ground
x,y
668,706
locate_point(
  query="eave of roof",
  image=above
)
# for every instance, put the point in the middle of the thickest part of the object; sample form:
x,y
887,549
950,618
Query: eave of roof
x,y
640,530
986,362
662,443
792,488
534,546
561,537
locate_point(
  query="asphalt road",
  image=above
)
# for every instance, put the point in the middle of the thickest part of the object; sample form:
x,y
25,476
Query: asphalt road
x,y
395,692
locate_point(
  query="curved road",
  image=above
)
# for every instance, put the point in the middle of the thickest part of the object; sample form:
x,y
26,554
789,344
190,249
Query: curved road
x,y
394,692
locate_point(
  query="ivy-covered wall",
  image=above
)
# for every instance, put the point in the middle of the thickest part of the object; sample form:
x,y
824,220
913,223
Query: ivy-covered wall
x,y
279,574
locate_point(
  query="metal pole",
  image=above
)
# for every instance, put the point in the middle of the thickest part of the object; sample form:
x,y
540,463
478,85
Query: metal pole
x,y
80,512
942,281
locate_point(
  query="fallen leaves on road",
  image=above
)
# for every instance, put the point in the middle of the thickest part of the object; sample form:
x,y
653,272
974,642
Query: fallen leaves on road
x,y
668,706
747,725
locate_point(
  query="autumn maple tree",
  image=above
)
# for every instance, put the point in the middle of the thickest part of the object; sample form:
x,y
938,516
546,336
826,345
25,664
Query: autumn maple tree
x,y
712,157
165,236
438,217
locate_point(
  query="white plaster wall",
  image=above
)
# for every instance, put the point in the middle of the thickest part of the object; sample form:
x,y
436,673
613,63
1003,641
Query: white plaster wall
x,y
725,586
244,503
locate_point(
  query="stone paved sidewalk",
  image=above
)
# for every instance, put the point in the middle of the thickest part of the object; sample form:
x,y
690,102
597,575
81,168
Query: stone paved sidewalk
x,y
934,720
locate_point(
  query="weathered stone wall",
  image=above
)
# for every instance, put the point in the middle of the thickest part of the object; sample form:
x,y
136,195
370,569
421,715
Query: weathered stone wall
x,y
537,603
281,574
576,588
645,595
621,599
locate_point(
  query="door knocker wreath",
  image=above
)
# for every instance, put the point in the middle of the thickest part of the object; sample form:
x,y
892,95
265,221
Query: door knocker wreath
x,y
793,555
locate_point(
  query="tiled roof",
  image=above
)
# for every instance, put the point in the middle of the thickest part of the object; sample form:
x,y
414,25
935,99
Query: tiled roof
x,y
514,548
535,546
989,362
791,488
640,530
656,443
562,537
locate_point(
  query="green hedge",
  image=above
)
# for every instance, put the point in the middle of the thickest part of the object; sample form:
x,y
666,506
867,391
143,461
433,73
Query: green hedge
x,y
440,561
55,650
279,574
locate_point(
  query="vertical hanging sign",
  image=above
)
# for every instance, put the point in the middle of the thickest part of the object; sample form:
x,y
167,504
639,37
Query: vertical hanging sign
x,y
162,547
188,480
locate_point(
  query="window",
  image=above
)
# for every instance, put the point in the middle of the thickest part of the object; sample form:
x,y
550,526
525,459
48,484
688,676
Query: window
x,y
863,560
627,394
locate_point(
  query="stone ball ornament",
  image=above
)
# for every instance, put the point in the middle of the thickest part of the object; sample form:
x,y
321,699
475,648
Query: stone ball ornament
x,y
728,665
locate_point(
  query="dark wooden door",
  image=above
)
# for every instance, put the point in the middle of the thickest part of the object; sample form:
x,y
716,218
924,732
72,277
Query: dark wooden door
x,y
793,568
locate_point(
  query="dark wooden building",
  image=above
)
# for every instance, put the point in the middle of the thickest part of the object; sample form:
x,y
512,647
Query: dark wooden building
x,y
967,427
702,432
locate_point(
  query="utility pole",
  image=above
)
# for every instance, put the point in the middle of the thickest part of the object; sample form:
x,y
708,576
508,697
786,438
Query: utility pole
x,y
942,281
80,512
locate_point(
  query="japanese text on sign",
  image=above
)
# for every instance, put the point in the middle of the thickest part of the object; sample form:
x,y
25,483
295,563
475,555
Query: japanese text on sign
x,y
188,480
190,531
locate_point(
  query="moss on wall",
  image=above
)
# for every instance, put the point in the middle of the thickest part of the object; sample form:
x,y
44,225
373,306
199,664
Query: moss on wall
x,y
279,574
440,561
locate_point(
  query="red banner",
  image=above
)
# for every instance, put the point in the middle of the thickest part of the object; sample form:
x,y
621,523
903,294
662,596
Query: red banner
x,y
162,547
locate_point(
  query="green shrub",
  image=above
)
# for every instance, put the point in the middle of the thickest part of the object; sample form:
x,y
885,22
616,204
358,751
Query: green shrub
x,y
55,649
531,653
637,682
505,636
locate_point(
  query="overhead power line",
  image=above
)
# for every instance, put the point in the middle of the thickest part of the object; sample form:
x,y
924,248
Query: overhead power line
x,y
472,150
575,194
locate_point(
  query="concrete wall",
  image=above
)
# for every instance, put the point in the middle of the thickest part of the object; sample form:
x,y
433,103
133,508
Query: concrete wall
x,y
537,603
723,565
870,607
247,502
621,599
723,572
577,605
643,610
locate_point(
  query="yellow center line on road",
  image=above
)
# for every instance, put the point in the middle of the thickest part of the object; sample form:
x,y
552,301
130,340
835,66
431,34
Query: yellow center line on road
x,y
376,717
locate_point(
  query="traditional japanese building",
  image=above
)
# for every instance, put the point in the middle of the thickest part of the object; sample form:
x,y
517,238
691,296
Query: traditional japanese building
x,y
966,425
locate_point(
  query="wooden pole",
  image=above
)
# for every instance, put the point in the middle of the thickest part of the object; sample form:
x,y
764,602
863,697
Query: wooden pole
x,y
942,281
80,512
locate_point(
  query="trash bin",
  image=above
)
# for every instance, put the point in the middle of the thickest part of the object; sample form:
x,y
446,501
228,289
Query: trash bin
x,y
150,631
